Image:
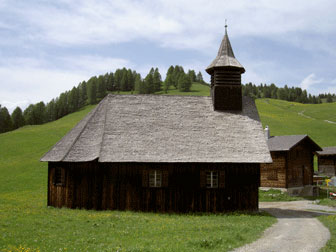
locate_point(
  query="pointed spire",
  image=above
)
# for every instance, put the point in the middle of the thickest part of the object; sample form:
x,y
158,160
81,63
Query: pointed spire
x,y
225,56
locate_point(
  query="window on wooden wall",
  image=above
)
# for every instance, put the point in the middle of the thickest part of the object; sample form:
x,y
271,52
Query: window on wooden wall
x,y
155,178
59,176
212,179
272,175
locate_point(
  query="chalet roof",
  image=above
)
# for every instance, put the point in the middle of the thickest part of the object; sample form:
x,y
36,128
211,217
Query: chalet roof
x,y
327,151
163,128
225,57
285,143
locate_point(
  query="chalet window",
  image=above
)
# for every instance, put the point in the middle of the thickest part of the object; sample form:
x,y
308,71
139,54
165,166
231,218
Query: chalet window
x,y
59,176
272,175
212,179
155,178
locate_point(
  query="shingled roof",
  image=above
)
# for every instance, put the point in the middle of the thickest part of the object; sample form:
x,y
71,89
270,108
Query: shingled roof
x,y
159,128
285,143
225,57
327,151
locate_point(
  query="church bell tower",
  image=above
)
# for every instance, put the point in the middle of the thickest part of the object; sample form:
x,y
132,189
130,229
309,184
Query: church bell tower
x,y
225,71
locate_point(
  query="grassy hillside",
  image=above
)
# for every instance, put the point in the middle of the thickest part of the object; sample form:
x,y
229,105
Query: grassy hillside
x,y
26,221
196,89
27,224
290,118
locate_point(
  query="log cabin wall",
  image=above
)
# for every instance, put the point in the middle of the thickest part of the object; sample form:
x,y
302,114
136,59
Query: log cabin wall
x,y
124,186
300,166
274,174
327,164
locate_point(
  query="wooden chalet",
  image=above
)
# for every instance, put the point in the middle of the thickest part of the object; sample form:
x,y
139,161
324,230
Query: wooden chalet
x,y
293,162
164,153
326,160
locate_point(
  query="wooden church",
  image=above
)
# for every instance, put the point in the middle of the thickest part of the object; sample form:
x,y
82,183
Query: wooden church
x,y
165,153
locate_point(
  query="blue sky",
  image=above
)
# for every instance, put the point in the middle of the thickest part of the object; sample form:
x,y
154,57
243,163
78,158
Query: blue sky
x,y
47,47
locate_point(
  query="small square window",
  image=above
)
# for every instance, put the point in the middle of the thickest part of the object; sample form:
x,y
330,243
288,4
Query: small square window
x,y
155,178
212,179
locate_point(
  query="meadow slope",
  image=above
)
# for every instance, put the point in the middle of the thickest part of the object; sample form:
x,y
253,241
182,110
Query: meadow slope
x,y
291,118
27,224
26,221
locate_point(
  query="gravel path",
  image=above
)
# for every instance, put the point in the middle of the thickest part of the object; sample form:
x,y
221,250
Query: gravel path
x,y
297,228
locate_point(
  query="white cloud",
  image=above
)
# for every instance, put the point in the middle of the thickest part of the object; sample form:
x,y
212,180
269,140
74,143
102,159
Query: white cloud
x,y
310,81
43,29
195,24
12,105
29,79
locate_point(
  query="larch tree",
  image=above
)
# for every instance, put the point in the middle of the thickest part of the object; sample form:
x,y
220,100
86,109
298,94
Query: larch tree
x,y
157,80
192,75
5,120
92,92
17,118
101,88
184,83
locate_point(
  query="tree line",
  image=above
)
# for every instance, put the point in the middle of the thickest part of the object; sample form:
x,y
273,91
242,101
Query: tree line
x,y
94,90
294,94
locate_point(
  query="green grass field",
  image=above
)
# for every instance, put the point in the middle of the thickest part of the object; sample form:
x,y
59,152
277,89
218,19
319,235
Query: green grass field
x,y
27,224
196,89
291,118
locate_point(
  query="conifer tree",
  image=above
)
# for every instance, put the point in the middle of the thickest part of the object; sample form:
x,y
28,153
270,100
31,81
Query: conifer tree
x,y
92,92
130,80
184,83
5,120
157,80
28,115
140,86
83,94
329,98
199,77
39,113
123,82
192,75
73,100
149,84
110,82
117,79
17,118
62,104
51,113
101,88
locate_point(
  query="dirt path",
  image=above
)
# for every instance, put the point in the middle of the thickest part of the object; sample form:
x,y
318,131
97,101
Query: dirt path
x,y
297,228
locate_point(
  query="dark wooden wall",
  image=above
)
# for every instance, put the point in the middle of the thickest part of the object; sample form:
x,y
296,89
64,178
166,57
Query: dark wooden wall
x,y
120,186
300,166
275,174
327,164
294,168
226,89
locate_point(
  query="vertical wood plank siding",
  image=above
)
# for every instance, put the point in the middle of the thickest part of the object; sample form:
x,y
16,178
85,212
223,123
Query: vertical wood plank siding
x,y
327,164
122,186
294,168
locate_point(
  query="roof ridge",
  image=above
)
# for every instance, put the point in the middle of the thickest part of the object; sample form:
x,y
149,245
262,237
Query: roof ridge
x,y
82,130
102,139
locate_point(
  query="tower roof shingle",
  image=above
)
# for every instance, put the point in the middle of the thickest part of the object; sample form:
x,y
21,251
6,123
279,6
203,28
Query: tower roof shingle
x,y
225,57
